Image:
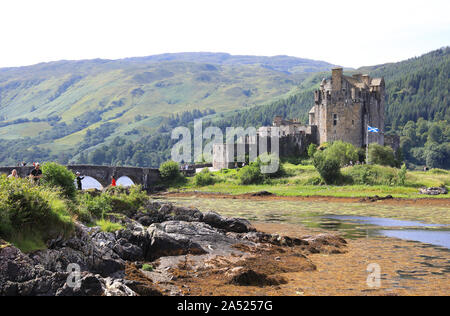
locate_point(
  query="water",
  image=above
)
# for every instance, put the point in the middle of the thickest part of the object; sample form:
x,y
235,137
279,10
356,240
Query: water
x,y
353,220
364,226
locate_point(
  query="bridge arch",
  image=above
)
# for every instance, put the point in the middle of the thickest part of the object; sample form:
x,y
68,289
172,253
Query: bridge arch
x,y
147,177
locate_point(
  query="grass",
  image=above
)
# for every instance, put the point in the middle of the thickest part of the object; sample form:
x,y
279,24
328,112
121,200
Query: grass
x,y
108,226
299,179
147,267
31,215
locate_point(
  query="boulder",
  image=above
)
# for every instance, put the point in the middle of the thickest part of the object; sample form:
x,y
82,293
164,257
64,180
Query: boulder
x,y
434,191
165,244
236,225
20,277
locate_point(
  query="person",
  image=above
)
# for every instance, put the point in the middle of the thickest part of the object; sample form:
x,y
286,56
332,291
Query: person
x,y
24,164
113,181
36,173
79,184
13,174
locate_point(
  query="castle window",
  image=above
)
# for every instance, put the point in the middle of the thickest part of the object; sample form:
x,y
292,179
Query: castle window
x,y
353,122
335,118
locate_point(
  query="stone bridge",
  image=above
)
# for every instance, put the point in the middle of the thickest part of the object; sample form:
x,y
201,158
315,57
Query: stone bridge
x,y
147,177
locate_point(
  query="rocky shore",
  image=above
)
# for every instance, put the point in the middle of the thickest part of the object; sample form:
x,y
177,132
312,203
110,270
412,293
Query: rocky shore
x,y
159,252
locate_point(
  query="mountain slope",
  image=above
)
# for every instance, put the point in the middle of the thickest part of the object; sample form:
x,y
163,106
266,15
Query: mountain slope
x,y
57,104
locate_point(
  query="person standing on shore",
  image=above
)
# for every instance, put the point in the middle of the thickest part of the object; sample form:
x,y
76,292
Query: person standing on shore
x,y
113,181
79,183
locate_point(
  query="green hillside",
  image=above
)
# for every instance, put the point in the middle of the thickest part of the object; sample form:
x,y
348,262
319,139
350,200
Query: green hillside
x,y
122,112
55,106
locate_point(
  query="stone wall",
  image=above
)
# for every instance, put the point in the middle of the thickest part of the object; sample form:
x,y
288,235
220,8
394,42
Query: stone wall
x,y
147,177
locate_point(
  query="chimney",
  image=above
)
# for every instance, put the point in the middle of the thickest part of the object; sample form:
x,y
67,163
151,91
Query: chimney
x,y
357,76
366,79
336,78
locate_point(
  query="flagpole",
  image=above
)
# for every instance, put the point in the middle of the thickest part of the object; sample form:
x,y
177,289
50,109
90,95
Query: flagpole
x,y
367,144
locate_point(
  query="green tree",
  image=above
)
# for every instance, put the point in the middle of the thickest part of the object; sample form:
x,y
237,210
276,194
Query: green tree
x,y
56,175
381,155
328,167
251,174
170,172
343,152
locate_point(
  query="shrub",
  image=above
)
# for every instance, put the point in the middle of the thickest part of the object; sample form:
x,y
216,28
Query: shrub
x,y
343,152
328,167
108,226
55,175
117,200
251,174
402,175
381,155
96,206
203,178
170,172
372,175
312,148
31,215
263,163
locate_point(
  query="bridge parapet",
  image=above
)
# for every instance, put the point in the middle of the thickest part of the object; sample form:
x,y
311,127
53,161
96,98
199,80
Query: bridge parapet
x,y
147,177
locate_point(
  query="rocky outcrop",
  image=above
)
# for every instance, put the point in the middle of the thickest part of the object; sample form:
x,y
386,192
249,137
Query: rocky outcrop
x,y
107,262
236,225
434,191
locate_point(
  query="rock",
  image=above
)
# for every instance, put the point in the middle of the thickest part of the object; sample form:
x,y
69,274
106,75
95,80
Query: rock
x,y
165,244
248,277
158,213
20,277
262,193
116,287
376,198
91,286
434,191
236,225
127,251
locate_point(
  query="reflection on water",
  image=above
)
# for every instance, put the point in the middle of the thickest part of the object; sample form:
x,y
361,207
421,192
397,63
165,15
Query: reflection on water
x,y
438,238
353,220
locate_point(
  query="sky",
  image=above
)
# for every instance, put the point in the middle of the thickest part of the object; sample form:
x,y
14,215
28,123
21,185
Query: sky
x,y
350,33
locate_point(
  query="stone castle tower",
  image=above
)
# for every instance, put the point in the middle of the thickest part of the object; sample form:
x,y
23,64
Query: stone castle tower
x,y
345,106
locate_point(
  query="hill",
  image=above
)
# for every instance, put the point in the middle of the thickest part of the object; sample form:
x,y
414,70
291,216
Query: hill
x,y
55,105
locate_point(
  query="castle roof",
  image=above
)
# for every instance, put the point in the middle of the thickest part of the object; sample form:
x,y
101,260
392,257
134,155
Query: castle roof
x,y
376,81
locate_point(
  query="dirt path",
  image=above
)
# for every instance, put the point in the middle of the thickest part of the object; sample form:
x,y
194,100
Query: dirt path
x,y
251,196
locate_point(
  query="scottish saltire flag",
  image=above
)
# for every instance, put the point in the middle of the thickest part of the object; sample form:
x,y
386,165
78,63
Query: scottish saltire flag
x,y
372,129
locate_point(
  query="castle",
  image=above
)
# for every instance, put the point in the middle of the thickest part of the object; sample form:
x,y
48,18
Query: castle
x,y
343,109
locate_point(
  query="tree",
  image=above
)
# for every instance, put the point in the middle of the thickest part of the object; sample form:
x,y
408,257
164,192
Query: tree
x,y
56,175
343,152
381,155
328,167
435,134
170,172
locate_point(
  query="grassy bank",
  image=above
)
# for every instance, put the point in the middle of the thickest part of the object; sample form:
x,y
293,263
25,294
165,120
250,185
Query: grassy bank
x,y
304,180
31,215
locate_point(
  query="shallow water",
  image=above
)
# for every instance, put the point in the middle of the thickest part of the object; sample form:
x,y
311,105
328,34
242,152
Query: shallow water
x,y
353,220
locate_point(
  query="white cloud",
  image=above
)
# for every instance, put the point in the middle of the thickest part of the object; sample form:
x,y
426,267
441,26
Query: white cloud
x,y
351,33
